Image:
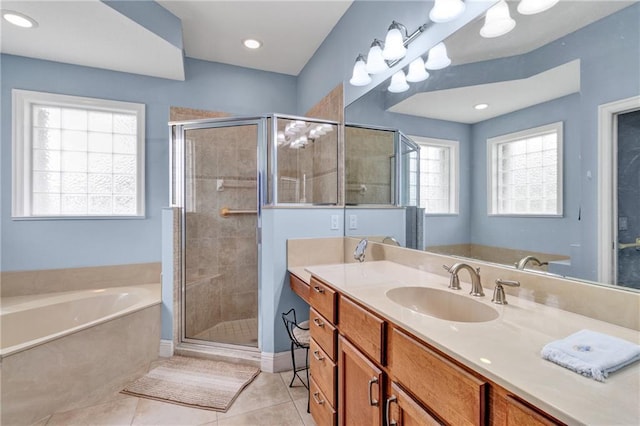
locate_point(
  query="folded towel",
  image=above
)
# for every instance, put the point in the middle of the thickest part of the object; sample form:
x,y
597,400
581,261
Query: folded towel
x,y
591,354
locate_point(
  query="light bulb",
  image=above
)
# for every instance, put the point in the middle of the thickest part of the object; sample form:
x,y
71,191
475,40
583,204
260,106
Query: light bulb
x,y
375,61
417,71
360,76
531,7
497,21
19,19
394,43
438,58
398,83
251,43
446,10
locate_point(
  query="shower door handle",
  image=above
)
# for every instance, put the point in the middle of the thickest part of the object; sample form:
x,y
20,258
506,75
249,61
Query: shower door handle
x,y
226,212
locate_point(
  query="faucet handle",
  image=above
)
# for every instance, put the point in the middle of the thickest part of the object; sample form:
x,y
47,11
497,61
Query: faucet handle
x,y
447,268
499,296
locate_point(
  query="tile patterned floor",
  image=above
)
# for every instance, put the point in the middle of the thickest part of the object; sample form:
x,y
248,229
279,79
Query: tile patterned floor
x,y
238,332
268,400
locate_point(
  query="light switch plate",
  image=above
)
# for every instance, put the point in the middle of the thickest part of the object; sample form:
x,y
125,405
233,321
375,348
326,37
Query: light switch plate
x,y
353,221
335,222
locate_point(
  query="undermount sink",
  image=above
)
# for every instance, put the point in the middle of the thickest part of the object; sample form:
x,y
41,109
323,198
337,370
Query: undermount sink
x,y
442,304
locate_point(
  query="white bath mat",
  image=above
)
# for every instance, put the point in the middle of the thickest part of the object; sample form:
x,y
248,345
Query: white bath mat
x,y
194,382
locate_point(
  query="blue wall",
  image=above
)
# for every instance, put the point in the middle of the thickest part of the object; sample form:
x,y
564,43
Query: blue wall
x,y
44,244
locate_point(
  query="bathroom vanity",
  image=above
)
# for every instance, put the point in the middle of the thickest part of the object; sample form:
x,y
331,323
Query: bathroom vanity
x,y
380,355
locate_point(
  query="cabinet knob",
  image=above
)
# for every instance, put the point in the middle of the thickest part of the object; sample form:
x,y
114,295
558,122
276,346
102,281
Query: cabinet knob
x,y
318,322
316,355
372,402
318,289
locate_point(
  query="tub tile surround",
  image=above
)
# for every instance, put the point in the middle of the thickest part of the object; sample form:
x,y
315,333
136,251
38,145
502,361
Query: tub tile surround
x,y
23,283
79,369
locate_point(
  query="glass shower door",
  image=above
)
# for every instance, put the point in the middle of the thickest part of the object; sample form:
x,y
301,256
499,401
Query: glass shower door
x,y
220,225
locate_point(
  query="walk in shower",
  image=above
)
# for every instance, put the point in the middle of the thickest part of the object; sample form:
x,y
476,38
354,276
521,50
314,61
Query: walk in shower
x,y
224,171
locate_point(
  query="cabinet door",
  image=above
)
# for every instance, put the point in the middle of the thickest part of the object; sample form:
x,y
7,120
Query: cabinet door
x,y
359,388
403,410
518,414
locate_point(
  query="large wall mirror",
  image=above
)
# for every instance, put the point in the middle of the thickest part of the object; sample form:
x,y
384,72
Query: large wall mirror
x,y
543,84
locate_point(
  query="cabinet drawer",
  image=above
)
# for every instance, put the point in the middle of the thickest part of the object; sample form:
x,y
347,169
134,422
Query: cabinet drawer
x,y
323,299
323,332
521,415
299,287
363,328
453,394
323,370
403,410
322,412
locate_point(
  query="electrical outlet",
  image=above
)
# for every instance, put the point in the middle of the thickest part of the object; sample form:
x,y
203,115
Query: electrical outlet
x,y
335,221
353,221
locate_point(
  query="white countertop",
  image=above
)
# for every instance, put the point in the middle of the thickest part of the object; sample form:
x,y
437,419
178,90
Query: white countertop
x,y
505,350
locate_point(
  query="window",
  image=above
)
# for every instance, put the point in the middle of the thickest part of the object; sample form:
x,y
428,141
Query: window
x,y
525,172
77,157
438,175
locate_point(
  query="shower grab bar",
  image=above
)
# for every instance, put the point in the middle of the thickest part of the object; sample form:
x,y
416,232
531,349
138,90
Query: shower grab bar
x,y
622,246
221,185
226,212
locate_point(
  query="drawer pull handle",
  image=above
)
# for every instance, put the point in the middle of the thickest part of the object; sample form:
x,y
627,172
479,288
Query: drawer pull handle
x,y
372,402
316,399
391,399
316,355
318,289
317,322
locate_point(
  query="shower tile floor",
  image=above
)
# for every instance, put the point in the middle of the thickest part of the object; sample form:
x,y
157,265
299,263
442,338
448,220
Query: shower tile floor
x,y
268,400
239,332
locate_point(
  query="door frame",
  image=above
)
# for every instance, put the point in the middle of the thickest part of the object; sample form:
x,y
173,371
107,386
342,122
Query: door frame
x,y
608,184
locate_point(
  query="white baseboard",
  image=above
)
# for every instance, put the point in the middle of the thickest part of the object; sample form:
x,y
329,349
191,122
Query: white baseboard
x,y
166,348
281,361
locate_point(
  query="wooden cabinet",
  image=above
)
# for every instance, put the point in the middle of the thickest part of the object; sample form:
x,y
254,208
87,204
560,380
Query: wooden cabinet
x,y
321,411
519,414
402,410
323,299
324,333
366,370
362,328
455,395
360,387
299,287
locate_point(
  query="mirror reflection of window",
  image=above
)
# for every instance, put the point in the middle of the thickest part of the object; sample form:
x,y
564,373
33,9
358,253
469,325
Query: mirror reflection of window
x,y
526,172
438,175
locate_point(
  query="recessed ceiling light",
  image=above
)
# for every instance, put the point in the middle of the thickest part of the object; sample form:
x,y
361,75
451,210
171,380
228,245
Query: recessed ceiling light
x,y
481,106
19,19
252,43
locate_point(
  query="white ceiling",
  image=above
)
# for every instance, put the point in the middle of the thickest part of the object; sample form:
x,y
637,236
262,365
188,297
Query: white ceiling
x,y
290,31
458,104
531,32
90,33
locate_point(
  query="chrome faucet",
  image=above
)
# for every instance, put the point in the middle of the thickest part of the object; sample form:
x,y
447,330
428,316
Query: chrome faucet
x,y
358,253
520,264
454,282
392,240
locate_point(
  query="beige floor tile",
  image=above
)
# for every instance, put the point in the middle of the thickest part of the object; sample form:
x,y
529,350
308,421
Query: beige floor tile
x,y
150,412
298,390
112,413
301,406
280,415
266,390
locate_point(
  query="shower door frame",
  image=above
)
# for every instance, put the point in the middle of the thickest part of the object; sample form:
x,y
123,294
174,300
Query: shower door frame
x,y
178,192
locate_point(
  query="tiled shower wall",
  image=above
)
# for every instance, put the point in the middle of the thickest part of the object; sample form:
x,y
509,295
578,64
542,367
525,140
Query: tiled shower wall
x,y
221,252
368,157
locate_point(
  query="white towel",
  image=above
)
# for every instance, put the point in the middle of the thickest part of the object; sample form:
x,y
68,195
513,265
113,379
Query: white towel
x,y
591,354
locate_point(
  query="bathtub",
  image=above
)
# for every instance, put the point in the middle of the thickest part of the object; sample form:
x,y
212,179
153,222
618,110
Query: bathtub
x,y
65,350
